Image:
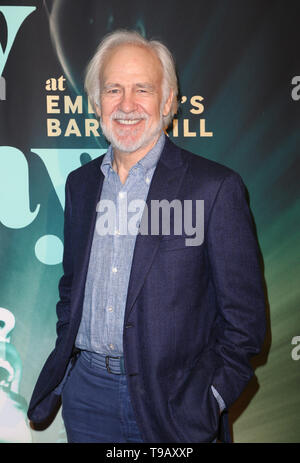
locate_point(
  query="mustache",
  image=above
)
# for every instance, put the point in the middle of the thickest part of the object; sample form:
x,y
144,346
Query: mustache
x,y
129,116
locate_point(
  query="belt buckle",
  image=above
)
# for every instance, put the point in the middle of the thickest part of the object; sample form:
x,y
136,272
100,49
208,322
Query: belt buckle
x,y
107,364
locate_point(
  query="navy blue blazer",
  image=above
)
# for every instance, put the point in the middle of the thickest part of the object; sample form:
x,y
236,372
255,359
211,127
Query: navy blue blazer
x,y
194,314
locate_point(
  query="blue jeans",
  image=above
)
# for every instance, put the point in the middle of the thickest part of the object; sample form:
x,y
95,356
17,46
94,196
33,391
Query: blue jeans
x,y
96,405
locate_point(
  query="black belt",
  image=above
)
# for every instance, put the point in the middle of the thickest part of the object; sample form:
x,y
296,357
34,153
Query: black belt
x,y
114,365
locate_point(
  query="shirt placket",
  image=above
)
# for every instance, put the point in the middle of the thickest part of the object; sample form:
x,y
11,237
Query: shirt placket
x,y
115,297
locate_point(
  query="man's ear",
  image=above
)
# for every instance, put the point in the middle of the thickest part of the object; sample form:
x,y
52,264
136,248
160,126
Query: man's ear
x,y
168,104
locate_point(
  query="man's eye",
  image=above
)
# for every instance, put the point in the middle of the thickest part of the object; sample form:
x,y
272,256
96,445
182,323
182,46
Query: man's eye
x,y
113,90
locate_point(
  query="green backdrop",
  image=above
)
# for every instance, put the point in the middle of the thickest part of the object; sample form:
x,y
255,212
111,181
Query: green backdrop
x,y
239,71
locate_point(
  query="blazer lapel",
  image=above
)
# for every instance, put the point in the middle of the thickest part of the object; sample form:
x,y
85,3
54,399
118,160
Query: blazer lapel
x,y
165,184
91,191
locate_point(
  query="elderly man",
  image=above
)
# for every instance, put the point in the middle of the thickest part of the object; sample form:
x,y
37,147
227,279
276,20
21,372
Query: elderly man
x,y
155,331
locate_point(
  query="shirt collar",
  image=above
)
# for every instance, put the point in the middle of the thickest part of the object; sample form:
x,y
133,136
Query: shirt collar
x,y
146,163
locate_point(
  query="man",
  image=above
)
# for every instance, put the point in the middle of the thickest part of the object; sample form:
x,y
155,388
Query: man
x,y
155,331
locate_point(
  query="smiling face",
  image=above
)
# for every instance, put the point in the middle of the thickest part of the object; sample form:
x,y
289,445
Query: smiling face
x,y
131,106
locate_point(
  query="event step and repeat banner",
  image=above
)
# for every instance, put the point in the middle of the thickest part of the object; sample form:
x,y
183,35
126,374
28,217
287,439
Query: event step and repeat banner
x,y
238,64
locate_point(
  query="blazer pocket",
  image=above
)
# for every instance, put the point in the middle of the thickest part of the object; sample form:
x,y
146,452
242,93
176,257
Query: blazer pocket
x,y
171,243
192,404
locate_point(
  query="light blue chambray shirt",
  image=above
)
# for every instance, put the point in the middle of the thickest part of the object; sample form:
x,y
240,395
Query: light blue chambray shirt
x,y
101,327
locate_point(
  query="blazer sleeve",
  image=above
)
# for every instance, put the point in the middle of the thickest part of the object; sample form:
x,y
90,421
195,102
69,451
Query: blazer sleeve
x,y
237,278
65,283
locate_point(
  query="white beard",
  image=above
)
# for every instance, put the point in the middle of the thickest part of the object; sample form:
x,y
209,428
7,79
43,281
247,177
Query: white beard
x,y
129,147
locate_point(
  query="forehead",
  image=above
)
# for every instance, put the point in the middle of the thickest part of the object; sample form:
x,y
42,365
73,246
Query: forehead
x,y
131,62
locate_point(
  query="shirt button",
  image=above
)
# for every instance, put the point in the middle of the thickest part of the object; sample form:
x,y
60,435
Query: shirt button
x,y
111,346
110,309
114,269
147,180
121,194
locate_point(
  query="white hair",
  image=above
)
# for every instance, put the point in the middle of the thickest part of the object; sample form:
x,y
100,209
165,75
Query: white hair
x,y
92,82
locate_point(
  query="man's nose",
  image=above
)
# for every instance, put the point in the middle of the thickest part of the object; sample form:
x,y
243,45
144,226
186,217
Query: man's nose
x,y
128,103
